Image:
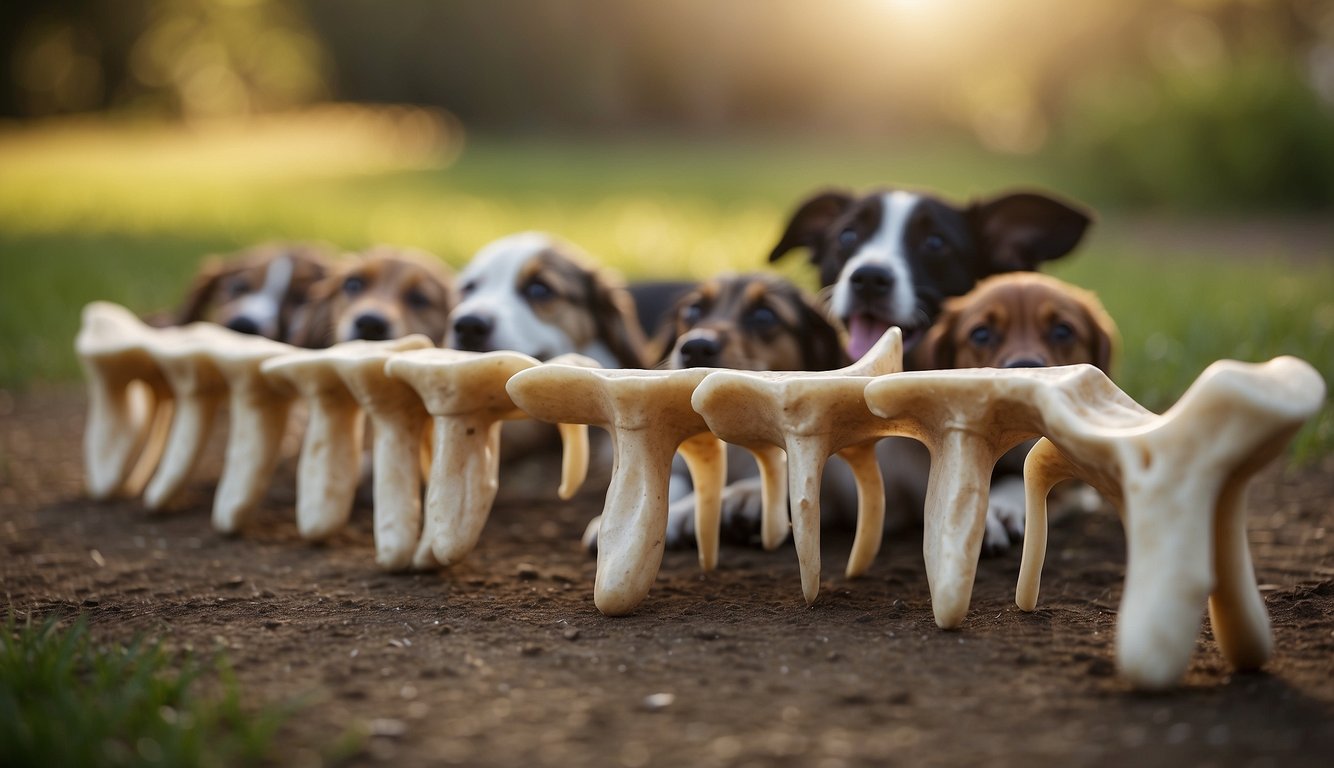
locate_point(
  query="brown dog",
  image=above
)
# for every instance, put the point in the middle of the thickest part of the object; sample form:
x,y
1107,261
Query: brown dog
x,y
383,293
259,290
1019,320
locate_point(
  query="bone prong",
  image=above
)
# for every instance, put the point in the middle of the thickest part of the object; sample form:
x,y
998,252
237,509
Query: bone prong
x,y
1044,467
774,520
861,459
126,393
198,390
706,458
806,459
464,395
574,459
649,415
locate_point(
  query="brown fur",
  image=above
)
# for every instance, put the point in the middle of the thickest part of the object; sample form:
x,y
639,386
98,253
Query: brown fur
x,y
587,305
409,291
215,292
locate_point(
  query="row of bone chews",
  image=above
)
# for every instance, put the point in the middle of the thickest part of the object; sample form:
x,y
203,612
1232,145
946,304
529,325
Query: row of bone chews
x,y
1181,488
153,394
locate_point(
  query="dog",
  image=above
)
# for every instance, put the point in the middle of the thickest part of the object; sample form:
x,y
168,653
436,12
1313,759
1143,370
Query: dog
x,y
754,322
1019,320
385,292
893,257
258,291
534,294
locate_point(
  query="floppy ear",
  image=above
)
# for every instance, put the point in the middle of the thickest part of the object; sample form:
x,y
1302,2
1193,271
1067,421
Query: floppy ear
x,y
617,323
664,341
810,221
201,293
1107,339
821,348
1020,231
936,351
312,324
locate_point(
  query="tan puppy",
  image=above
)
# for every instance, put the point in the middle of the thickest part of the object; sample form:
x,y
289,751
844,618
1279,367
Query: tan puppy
x,y
259,290
383,293
1022,320
1019,320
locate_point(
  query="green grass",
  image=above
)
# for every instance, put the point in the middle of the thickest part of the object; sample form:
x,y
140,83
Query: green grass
x,y
118,214
66,700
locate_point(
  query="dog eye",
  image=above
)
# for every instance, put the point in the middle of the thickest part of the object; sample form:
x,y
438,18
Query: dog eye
x,y
1061,333
762,317
691,314
417,299
538,291
848,237
933,244
981,335
238,288
354,285
468,287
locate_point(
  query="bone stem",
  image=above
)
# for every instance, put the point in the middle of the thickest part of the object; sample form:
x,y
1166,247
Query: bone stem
x,y
1236,609
955,520
396,477
465,472
634,520
258,421
870,507
574,459
158,403
806,456
330,463
195,409
1044,467
774,521
119,420
1168,577
706,458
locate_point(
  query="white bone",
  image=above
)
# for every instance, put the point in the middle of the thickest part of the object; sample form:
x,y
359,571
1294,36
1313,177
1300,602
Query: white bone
x,y
811,416
1180,481
464,394
650,418
129,402
258,408
331,381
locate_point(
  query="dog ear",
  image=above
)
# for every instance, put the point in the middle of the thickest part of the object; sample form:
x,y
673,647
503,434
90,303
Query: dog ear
x,y
810,221
821,347
1106,336
664,341
936,350
1020,231
312,323
617,322
201,293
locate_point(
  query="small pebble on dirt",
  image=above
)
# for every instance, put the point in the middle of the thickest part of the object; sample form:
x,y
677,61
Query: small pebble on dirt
x,y
571,633
656,702
529,649
272,624
526,571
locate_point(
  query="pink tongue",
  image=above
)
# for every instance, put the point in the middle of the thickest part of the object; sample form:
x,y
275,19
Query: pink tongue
x,y
863,333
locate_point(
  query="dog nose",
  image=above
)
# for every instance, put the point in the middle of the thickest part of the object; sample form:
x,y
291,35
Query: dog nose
x,y
371,327
243,325
871,282
1026,362
701,353
471,332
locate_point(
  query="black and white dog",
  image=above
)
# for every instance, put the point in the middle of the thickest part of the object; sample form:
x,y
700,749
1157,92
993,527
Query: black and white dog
x,y
893,257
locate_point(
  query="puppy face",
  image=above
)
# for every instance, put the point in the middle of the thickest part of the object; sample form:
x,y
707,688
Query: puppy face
x,y
892,258
533,294
259,291
754,322
1022,321
384,293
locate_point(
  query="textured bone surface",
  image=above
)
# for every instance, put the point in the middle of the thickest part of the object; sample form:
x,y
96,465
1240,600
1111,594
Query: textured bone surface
x,y
129,401
1180,480
650,418
336,384
811,416
464,394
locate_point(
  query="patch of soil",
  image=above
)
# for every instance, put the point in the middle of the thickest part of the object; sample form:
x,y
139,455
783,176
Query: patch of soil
x,y
505,661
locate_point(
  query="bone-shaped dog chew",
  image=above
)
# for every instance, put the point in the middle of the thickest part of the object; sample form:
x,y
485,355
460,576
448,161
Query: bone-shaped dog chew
x,y
1180,480
811,416
464,394
129,401
339,384
650,418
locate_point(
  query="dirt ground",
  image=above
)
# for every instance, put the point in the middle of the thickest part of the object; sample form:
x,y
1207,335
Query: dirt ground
x,y
505,661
